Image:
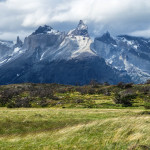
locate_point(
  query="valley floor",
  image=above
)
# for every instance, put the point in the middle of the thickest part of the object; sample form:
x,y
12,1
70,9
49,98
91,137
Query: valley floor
x,y
74,129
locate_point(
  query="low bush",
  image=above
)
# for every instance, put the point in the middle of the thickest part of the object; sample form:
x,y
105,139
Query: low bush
x,y
147,102
89,104
148,81
123,85
125,98
82,90
91,91
11,105
94,84
145,90
20,102
44,103
78,101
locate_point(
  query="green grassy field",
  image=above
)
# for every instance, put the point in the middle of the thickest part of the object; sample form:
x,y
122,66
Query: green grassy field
x,y
64,117
74,129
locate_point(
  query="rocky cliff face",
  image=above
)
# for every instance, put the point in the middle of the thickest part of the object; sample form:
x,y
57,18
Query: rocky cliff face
x,y
81,30
131,54
43,38
48,56
6,49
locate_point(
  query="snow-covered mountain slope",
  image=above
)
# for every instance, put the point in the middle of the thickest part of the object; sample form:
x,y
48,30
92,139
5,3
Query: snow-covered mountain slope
x,y
70,48
55,45
5,47
10,50
48,55
131,54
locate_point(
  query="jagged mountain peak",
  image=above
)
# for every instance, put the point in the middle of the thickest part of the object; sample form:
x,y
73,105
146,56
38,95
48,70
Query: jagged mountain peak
x,y
106,34
48,55
19,43
82,26
106,38
43,29
81,30
81,22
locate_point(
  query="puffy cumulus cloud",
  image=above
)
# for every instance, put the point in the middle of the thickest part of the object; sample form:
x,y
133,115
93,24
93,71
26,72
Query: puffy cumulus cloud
x,y
117,16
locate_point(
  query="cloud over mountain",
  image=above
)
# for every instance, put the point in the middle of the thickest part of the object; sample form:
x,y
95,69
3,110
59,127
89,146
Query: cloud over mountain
x,y
118,16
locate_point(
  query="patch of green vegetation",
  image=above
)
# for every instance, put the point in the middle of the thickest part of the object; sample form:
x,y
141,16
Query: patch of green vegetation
x,y
65,117
82,129
67,96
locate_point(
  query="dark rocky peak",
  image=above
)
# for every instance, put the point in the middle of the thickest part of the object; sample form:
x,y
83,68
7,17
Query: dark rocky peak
x,y
42,29
82,26
106,38
19,43
81,30
107,35
44,37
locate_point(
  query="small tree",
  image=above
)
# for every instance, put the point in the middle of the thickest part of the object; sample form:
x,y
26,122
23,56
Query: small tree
x,y
125,98
121,85
94,84
148,81
106,84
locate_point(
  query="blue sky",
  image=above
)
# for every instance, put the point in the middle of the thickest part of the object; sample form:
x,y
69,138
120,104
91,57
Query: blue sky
x,y
21,17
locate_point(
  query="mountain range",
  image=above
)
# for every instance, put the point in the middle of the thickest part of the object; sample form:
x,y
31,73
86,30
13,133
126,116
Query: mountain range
x,y
51,56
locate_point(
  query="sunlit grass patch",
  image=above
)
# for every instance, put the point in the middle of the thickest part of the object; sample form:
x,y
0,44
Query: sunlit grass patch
x,y
73,128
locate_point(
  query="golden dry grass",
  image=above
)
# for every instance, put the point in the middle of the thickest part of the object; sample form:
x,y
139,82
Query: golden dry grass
x,y
67,129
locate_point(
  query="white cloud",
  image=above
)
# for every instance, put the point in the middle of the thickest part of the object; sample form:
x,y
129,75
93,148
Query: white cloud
x,y
118,16
142,33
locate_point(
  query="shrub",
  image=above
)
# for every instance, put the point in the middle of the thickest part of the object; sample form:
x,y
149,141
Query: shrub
x,y
147,102
91,91
7,95
121,85
147,105
94,84
145,113
125,98
148,81
62,90
100,91
145,89
105,91
106,84
89,104
43,103
82,90
42,92
128,85
78,101
11,105
23,102
20,102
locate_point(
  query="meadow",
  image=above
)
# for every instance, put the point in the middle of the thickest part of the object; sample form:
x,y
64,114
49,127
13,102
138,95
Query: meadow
x,y
66,129
58,117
